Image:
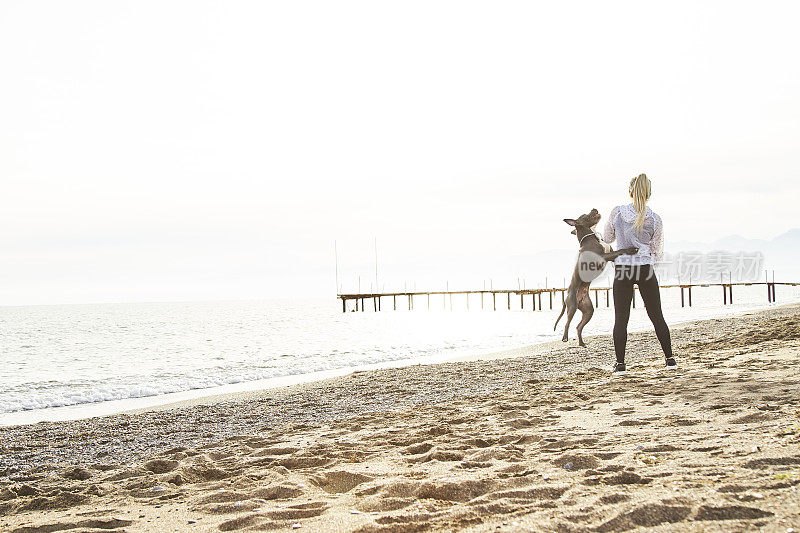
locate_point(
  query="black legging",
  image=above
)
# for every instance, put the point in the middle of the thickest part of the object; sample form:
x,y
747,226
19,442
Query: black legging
x,y
624,279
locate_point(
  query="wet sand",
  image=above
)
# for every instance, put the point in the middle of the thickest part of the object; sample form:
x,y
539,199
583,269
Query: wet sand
x,y
543,439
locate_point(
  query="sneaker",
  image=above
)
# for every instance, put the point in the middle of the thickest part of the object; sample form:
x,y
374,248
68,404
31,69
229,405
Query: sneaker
x,y
671,363
619,368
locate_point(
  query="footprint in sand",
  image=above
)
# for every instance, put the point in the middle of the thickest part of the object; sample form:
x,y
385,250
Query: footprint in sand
x,y
280,491
566,444
223,496
571,461
772,461
60,498
658,448
268,451
522,422
530,494
645,515
752,418
472,465
680,421
303,461
161,466
633,423
228,507
300,510
437,454
605,456
730,512
495,454
611,499
621,478
416,449
515,470
339,481
93,524
372,504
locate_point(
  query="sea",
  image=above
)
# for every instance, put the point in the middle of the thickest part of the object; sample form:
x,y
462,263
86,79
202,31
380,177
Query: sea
x,y
60,362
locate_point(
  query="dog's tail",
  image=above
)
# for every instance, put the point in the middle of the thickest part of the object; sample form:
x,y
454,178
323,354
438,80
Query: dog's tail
x,y
563,308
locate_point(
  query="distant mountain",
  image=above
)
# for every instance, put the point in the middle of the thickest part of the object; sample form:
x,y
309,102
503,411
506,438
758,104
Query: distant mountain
x,y
790,238
781,254
730,242
783,243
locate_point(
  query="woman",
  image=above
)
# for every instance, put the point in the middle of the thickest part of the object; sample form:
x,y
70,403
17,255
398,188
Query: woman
x,y
636,225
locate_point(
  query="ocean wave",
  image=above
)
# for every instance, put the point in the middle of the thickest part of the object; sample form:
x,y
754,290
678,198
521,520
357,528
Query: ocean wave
x,y
49,394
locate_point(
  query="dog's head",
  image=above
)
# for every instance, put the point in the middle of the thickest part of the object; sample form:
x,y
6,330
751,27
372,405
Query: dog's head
x,y
587,221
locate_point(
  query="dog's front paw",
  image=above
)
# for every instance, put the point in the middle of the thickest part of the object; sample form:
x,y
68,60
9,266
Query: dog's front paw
x,y
631,251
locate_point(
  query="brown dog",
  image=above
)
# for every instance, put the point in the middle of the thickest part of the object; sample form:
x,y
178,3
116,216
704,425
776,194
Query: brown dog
x,y
592,257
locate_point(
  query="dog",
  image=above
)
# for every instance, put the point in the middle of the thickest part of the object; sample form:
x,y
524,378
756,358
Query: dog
x,y
592,257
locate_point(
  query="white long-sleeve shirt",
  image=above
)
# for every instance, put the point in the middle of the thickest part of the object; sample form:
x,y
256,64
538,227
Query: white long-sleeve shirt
x,y
649,240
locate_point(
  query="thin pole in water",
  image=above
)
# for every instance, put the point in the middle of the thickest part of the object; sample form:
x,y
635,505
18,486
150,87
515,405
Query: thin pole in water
x,y
450,295
376,263
730,287
773,286
724,289
769,287
336,259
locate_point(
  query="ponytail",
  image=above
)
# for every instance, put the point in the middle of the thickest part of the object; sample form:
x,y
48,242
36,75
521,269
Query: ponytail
x,y
640,192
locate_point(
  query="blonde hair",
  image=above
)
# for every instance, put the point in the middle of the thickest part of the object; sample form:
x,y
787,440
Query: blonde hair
x,y
640,192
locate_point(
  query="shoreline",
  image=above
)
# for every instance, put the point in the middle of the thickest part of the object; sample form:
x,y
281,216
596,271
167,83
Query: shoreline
x,y
522,351
540,442
231,391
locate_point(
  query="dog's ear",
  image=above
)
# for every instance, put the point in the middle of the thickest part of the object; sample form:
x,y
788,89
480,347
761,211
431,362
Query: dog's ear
x,y
570,221
574,232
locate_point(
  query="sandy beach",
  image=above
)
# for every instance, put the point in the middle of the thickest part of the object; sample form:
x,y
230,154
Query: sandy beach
x,y
541,439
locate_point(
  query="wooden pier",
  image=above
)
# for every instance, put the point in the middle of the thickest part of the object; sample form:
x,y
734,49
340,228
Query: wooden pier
x,y
361,300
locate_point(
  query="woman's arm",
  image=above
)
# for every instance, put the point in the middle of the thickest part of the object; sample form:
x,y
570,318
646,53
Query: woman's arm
x,y
608,235
657,242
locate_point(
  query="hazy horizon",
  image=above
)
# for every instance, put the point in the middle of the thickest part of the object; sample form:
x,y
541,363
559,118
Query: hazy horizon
x,y
197,151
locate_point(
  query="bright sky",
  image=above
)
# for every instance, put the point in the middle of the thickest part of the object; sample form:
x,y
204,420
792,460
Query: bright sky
x,y
200,150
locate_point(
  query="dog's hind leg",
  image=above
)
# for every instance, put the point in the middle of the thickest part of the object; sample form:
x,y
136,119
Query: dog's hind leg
x,y
571,308
587,310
